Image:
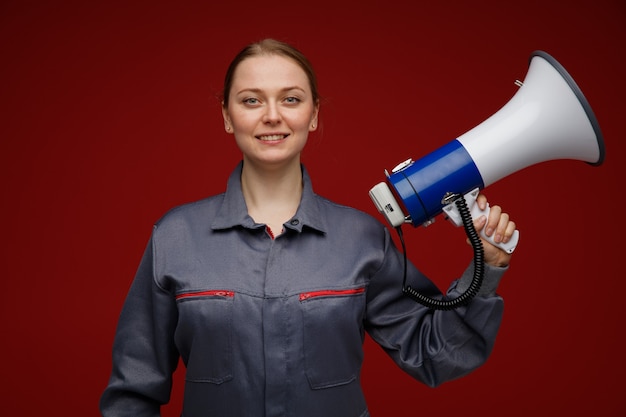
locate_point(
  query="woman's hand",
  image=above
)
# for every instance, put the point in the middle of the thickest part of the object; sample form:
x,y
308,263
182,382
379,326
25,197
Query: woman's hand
x,y
500,227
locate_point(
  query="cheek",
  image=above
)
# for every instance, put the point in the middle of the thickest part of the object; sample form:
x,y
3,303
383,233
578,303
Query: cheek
x,y
302,121
243,122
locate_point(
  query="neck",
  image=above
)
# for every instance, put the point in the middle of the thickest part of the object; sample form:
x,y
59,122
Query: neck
x,y
272,195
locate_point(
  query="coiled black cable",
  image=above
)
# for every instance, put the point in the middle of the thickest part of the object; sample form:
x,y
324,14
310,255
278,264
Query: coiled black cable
x,y
479,266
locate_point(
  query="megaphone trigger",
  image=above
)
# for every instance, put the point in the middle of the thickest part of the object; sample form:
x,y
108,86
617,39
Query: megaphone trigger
x,y
452,214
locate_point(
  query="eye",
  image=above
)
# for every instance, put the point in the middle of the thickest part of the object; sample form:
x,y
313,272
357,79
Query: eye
x,y
292,100
251,101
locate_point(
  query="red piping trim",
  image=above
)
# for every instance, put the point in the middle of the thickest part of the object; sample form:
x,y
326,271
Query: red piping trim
x,y
330,293
214,293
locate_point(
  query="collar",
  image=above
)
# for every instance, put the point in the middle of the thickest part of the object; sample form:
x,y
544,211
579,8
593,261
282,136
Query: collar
x,y
234,212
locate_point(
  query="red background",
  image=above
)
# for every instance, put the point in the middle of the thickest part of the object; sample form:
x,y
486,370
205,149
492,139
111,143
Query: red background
x,y
109,117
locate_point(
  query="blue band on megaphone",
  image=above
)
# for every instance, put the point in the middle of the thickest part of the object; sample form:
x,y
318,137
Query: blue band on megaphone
x,y
423,184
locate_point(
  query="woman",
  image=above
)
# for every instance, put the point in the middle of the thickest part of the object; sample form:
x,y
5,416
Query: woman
x,y
266,290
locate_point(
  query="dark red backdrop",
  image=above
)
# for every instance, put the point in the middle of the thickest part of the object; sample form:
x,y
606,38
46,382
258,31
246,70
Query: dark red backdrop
x,y
109,117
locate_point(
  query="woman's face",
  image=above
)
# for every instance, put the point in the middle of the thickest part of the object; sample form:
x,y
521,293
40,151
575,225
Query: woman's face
x,y
271,109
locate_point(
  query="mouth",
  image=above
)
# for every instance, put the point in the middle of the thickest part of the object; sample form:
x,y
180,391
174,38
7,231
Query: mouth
x,y
271,138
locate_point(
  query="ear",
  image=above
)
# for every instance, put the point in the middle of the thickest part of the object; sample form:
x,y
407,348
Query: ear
x,y
314,118
228,126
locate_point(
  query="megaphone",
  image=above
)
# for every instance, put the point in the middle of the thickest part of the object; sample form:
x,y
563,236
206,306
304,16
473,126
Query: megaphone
x,y
547,119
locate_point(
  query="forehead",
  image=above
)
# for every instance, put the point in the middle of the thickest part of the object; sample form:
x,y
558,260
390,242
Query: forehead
x,y
268,71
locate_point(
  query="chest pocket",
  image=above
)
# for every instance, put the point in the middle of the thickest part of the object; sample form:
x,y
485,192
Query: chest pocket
x,y
204,335
333,336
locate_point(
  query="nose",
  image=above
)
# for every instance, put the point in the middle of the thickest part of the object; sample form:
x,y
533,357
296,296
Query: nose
x,y
272,114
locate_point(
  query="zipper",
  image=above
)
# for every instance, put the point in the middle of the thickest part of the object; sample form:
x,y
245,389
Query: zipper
x,y
330,293
210,293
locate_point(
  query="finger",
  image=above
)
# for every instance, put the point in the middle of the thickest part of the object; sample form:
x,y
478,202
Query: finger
x,y
510,229
481,200
493,220
480,222
501,228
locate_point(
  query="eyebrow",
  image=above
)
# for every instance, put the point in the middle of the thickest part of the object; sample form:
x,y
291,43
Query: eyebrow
x,y
259,90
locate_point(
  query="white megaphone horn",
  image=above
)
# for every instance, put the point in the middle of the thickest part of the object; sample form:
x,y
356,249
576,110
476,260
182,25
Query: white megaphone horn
x,y
547,119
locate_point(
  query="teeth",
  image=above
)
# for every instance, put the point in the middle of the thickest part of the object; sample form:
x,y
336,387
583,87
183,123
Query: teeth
x,y
271,137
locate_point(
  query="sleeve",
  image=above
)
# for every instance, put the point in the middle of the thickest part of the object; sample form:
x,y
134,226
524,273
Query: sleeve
x,y
144,353
431,346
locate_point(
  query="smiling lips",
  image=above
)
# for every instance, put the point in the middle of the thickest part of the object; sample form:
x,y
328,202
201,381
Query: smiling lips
x,y
271,138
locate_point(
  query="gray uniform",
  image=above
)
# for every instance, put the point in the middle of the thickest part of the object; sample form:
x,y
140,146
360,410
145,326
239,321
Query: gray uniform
x,y
274,327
